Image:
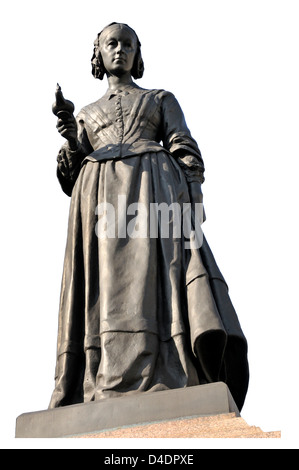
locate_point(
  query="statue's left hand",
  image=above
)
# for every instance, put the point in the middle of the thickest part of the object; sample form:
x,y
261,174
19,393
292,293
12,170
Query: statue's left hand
x,y
195,192
196,199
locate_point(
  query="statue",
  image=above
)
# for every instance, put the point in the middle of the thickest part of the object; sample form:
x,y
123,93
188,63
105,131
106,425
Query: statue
x,y
142,308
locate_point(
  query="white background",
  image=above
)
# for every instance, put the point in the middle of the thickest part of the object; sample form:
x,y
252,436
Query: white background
x,y
233,66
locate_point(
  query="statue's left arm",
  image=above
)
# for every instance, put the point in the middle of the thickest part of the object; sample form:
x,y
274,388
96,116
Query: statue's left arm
x,y
178,141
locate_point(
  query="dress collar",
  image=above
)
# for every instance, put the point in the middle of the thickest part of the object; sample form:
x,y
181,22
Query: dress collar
x,y
125,90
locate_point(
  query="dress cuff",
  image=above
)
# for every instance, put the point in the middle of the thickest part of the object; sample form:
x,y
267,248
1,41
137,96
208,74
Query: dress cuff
x,y
193,169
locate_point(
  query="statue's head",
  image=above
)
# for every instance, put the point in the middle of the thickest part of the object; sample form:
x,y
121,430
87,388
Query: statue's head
x,y
111,31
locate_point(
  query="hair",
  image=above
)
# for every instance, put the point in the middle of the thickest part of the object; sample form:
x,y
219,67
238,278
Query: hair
x,y
98,69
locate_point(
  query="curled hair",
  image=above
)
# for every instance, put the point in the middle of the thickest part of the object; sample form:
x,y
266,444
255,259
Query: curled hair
x,y
98,69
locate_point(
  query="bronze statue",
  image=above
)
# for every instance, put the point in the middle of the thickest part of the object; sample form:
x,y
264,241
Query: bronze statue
x,y
141,308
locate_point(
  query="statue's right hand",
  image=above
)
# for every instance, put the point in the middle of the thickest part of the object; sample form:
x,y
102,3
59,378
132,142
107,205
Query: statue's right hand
x,y
67,128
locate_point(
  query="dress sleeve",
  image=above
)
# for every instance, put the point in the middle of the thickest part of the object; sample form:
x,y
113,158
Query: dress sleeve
x,y
178,141
69,161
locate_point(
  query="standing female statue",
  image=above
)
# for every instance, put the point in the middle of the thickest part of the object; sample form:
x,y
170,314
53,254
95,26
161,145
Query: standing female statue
x,y
137,312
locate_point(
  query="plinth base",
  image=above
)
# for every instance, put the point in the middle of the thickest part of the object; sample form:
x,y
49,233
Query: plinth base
x,y
127,411
216,426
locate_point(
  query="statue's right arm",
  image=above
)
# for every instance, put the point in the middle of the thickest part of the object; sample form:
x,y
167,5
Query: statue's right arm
x,y
72,153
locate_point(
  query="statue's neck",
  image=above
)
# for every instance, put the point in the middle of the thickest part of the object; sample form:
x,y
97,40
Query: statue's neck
x,y
121,81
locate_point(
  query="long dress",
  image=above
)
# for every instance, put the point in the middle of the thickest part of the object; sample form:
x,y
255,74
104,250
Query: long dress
x,y
139,310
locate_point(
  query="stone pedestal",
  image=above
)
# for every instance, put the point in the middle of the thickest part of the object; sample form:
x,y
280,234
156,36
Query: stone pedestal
x,y
216,426
200,411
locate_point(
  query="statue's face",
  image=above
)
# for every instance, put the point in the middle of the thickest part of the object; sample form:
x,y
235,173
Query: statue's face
x,y
118,50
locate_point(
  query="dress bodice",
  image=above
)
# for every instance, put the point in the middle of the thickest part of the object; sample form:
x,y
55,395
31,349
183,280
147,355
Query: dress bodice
x,y
133,121
129,122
